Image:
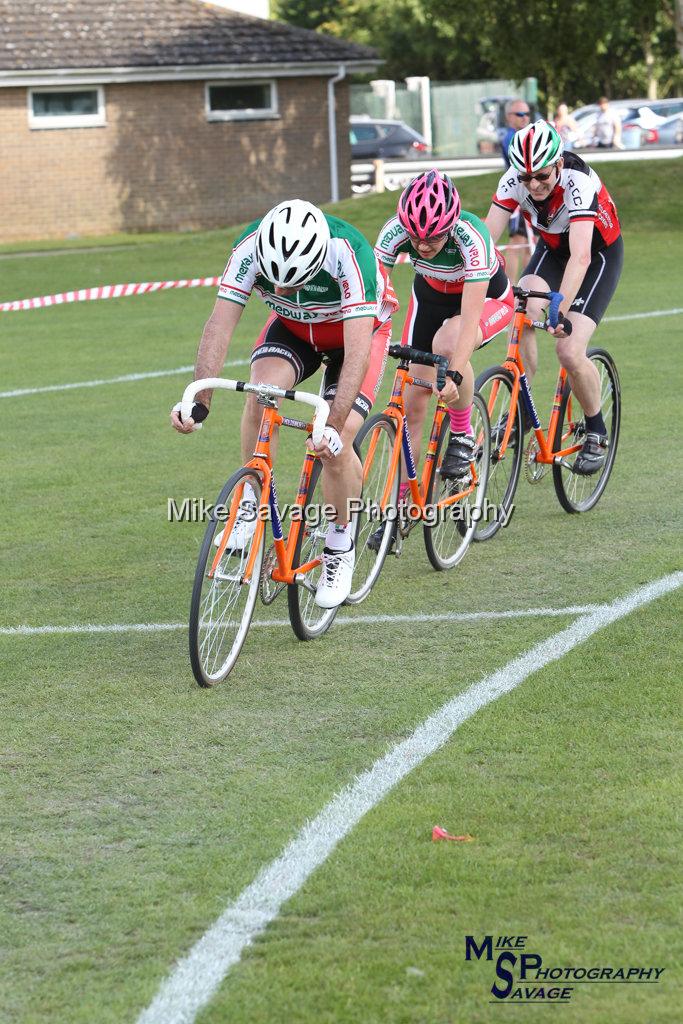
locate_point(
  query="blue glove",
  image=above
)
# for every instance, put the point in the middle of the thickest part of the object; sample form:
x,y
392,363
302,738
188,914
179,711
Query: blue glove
x,y
554,309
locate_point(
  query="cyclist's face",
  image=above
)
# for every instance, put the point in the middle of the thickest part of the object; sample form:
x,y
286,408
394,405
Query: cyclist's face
x,y
284,292
541,187
428,248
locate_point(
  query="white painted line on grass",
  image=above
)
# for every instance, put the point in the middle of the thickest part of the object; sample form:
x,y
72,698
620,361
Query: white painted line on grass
x,y
197,976
125,379
642,316
345,620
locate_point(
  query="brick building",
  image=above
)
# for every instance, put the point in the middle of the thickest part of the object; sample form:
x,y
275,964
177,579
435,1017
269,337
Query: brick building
x,y
117,115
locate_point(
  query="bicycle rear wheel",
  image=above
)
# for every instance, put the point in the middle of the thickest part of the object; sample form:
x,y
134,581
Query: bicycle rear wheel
x,y
307,619
495,386
449,536
222,605
374,443
577,493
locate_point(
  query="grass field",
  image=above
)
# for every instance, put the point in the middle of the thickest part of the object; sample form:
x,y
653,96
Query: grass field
x,y
137,807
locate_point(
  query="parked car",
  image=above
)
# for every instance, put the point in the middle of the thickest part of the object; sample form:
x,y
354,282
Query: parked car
x,y
636,115
667,133
373,139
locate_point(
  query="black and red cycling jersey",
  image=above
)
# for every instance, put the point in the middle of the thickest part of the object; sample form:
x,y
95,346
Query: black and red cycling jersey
x,y
578,195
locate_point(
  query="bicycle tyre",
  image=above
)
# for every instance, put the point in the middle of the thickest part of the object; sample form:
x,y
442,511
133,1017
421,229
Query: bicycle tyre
x,y
578,493
221,609
448,539
307,619
502,482
380,433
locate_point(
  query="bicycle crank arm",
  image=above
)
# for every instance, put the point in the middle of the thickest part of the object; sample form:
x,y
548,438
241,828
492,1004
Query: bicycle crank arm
x,y
303,581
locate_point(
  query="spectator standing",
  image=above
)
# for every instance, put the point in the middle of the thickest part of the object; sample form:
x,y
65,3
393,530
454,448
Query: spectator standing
x,y
607,128
565,124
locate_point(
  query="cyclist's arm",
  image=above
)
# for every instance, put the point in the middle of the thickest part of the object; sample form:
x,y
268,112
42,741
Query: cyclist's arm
x,y
580,238
213,347
473,297
357,345
497,220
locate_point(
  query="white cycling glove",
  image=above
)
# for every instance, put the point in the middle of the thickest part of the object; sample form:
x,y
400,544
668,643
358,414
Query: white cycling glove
x,y
176,408
334,441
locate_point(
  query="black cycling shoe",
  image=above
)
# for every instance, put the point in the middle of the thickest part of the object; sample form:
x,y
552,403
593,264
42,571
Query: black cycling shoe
x,y
459,454
592,456
375,539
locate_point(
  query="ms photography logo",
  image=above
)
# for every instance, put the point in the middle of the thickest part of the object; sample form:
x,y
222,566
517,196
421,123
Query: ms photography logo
x,y
521,976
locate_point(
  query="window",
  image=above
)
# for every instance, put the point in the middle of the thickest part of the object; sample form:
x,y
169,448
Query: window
x,y
66,108
365,132
246,101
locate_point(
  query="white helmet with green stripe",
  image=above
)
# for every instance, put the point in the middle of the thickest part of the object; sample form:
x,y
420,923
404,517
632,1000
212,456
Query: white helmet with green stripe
x,y
535,147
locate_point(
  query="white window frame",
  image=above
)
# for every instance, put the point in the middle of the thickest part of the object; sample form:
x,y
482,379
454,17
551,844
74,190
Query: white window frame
x,y
96,120
252,114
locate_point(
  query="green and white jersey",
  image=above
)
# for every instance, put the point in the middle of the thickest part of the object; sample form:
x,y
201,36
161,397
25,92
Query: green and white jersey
x,y
468,255
350,284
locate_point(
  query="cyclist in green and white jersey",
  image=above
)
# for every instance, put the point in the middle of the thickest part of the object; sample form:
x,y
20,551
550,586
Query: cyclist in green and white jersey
x,y
327,296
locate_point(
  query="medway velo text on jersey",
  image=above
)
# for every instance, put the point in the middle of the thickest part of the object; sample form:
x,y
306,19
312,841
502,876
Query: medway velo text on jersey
x,y
468,254
578,195
349,285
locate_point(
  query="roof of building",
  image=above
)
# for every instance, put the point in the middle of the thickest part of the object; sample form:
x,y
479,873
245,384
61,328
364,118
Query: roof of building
x,y
78,34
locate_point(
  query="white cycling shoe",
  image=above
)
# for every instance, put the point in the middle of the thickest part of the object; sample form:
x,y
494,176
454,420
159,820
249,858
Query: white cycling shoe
x,y
334,585
243,528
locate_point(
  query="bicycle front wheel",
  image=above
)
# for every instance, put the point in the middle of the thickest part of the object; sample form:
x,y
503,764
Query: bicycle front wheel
x,y
450,529
577,493
375,530
495,387
307,619
223,601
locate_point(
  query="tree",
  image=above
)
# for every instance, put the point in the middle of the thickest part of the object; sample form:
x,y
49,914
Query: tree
x,y
576,51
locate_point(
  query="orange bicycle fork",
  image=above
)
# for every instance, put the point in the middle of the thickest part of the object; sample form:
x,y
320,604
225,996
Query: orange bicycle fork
x,y
262,464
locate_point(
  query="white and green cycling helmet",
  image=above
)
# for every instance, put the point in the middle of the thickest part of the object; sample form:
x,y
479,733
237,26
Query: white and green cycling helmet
x,y
291,243
534,147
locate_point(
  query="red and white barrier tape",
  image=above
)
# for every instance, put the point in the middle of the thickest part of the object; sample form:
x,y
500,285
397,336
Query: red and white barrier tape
x,y
106,291
120,291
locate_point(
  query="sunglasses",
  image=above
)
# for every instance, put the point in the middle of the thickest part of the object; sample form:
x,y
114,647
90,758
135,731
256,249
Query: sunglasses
x,y
521,113
526,178
431,240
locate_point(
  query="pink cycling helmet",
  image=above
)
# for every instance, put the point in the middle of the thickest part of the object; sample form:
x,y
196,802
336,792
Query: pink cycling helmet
x,y
429,205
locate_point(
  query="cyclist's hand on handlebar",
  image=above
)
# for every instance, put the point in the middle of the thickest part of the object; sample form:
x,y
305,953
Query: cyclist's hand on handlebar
x,y
563,329
199,413
330,446
449,393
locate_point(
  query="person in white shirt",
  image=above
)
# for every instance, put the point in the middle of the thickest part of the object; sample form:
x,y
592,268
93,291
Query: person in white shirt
x,y
607,128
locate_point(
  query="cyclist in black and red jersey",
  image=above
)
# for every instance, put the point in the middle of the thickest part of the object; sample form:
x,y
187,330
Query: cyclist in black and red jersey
x,y
580,253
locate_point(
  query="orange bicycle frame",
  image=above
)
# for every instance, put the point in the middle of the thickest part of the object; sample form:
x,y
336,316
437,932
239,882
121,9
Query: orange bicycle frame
x,y
515,365
262,464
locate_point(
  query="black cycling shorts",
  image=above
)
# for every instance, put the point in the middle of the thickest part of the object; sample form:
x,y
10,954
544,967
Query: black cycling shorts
x,y
429,309
598,285
276,340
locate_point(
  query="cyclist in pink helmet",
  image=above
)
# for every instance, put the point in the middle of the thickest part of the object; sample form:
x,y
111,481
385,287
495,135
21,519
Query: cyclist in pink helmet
x,y
429,206
461,298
